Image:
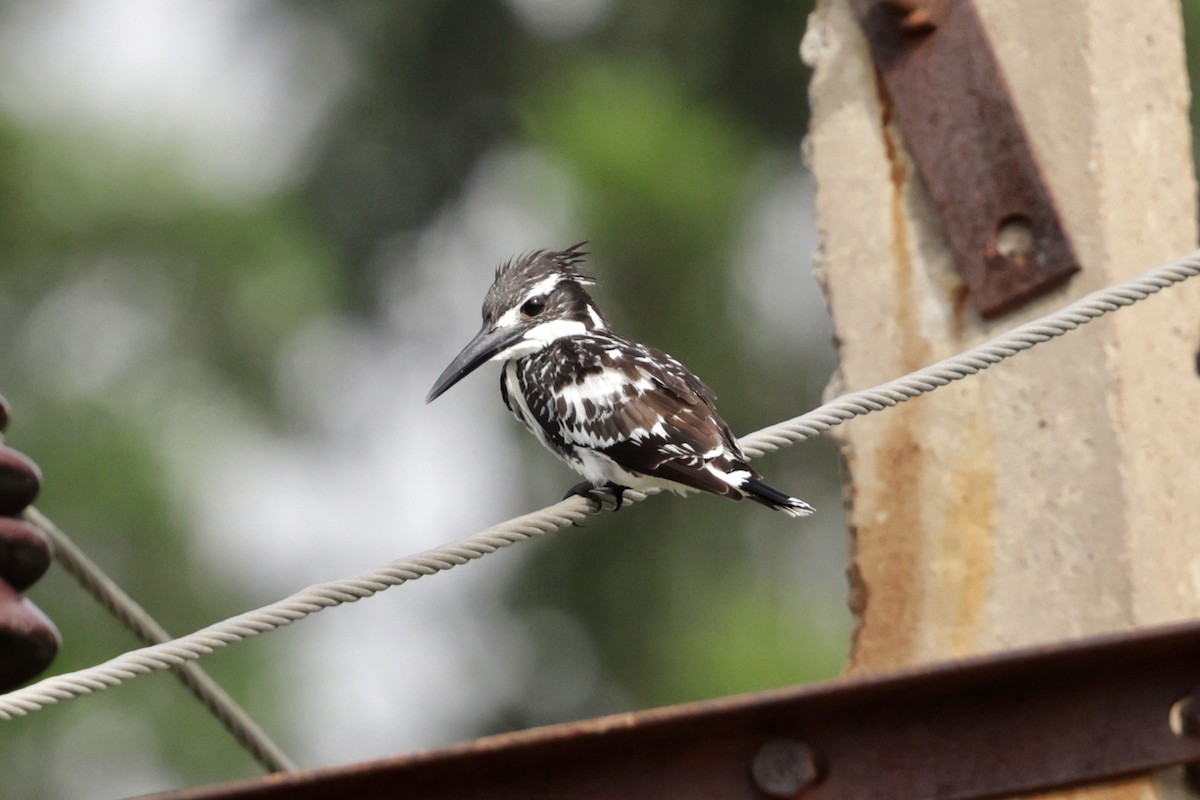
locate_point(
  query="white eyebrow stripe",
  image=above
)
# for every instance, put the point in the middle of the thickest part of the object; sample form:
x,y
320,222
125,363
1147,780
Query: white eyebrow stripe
x,y
543,287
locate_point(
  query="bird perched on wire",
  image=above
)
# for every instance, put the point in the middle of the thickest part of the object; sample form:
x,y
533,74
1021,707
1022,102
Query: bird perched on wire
x,y
620,413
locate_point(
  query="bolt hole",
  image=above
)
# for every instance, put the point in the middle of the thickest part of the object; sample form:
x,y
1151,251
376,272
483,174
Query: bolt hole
x,y
1183,717
1014,236
1175,716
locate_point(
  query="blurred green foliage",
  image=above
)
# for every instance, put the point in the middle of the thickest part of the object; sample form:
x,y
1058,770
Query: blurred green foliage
x,y
1191,43
192,275
664,115
660,115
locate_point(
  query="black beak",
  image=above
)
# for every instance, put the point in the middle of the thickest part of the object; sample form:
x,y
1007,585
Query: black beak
x,y
486,344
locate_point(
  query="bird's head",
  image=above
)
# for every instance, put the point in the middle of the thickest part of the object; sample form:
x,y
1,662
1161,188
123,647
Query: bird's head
x,y
536,299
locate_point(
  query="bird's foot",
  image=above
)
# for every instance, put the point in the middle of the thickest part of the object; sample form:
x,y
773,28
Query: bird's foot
x,y
618,493
594,493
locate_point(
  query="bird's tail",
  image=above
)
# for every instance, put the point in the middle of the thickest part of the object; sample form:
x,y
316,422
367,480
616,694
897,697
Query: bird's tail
x,y
771,497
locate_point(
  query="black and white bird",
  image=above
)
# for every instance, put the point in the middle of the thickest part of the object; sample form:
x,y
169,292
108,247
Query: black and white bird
x,y
623,415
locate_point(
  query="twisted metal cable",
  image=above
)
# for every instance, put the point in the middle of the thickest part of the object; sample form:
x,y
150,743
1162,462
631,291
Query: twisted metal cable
x,y
318,597
973,361
326,595
105,591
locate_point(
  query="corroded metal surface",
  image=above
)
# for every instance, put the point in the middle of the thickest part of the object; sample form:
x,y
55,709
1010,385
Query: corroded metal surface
x,y
949,97
1025,721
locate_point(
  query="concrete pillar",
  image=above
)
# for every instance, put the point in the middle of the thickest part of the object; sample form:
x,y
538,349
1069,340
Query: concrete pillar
x,y
1057,495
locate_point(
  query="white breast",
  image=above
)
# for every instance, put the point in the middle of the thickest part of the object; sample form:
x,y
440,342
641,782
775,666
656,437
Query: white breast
x,y
598,469
517,397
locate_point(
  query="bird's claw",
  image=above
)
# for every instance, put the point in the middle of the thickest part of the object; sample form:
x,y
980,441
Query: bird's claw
x,y
592,493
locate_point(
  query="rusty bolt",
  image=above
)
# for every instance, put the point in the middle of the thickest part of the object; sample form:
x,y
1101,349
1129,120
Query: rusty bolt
x,y
20,481
782,768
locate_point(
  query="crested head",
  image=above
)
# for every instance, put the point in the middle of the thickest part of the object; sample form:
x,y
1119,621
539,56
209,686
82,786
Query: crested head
x,y
536,274
537,299
538,264
543,290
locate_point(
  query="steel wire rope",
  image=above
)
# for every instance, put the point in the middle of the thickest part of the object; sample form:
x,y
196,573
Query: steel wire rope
x,y
105,591
320,596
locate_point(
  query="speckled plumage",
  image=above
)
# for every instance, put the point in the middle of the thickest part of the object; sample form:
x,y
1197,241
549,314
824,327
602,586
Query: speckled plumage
x,y
622,414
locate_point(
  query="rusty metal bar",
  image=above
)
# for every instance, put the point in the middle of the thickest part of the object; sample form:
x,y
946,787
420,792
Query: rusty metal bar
x,y
1024,721
948,95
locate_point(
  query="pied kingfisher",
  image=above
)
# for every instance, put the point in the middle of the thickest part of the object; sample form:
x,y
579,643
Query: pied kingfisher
x,y
620,413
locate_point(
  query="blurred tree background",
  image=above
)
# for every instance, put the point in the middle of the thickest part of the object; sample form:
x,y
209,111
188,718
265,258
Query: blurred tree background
x,y
217,352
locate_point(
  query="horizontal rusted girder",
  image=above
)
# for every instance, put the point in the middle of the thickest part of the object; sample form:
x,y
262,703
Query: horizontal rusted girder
x,y
1023,721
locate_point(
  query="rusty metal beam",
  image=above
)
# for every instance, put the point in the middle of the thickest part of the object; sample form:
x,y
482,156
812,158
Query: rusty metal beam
x,y
1025,721
948,95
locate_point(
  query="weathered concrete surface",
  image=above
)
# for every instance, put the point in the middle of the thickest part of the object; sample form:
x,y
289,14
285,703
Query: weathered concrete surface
x,y
1058,494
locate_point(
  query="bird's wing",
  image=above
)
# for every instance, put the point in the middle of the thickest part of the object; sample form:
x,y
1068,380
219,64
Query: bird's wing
x,y
640,407
685,435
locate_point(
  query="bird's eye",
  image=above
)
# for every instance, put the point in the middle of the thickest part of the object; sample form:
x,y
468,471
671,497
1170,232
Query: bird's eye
x,y
533,306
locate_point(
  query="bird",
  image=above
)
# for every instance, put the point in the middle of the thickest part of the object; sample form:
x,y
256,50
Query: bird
x,y
622,414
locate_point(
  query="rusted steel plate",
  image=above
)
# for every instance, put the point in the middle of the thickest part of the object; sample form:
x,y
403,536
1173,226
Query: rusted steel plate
x,y
950,99
1024,721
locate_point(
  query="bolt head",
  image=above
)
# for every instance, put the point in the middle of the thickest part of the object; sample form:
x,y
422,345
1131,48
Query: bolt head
x,y
782,768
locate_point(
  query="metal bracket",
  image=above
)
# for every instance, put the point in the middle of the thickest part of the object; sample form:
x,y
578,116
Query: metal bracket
x,y
951,102
993,726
